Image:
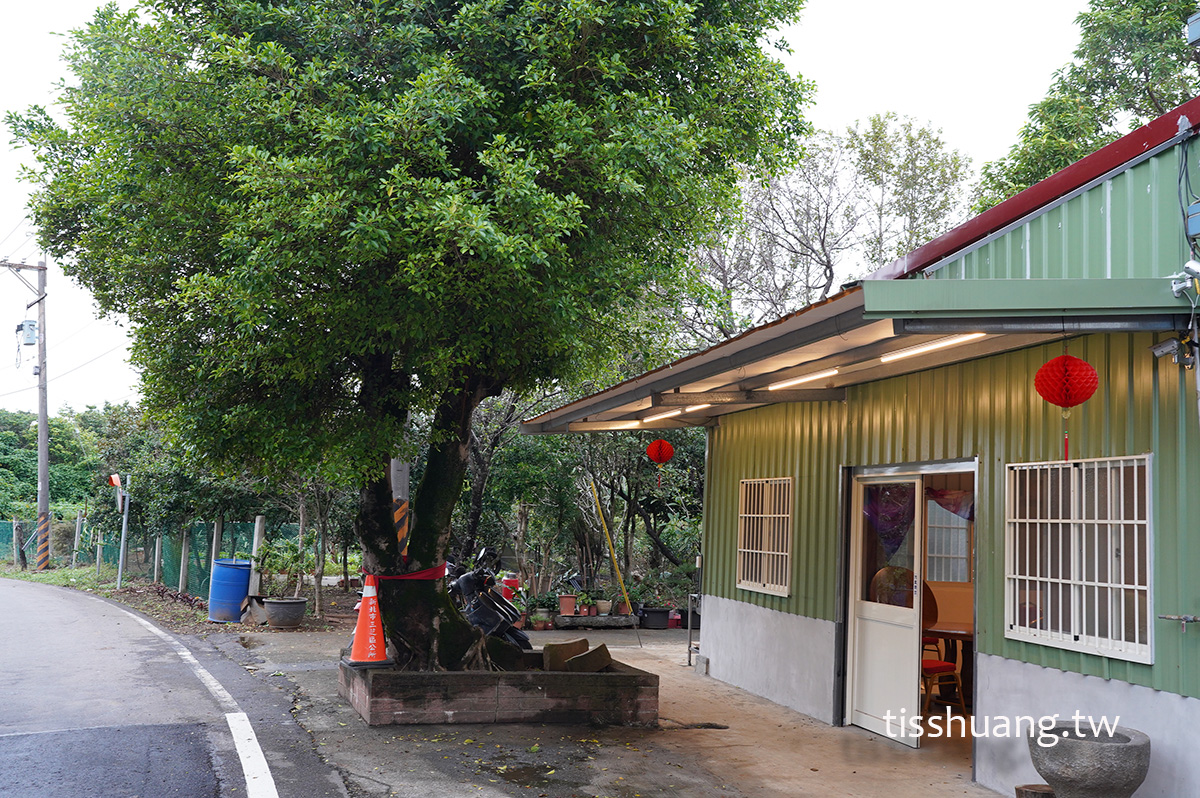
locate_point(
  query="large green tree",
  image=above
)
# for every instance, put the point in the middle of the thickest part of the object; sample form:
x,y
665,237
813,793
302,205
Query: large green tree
x,y
320,214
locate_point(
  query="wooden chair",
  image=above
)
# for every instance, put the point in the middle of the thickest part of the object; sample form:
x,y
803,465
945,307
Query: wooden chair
x,y
929,617
935,672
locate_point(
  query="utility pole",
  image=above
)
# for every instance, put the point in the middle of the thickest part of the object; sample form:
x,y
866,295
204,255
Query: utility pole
x,y
43,433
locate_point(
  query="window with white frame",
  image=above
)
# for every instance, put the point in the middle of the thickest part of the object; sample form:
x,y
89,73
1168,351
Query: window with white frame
x,y
1078,556
947,545
764,556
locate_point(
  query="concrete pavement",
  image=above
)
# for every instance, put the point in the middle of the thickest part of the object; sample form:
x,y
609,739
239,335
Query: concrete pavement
x,y
714,740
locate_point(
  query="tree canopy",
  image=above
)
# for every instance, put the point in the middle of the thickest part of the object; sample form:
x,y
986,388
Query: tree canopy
x,y
319,214
313,211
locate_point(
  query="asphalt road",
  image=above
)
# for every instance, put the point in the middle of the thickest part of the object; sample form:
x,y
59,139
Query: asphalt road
x,y
95,702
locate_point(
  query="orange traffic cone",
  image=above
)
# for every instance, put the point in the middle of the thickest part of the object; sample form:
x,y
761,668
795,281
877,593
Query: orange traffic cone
x,y
369,648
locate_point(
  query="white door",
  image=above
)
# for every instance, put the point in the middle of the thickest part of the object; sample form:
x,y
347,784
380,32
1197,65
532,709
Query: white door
x,y
883,692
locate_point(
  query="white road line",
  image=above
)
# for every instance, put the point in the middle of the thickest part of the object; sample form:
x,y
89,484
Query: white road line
x,y
259,782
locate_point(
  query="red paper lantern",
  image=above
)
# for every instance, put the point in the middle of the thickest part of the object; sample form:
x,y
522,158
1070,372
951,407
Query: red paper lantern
x,y
1066,381
660,451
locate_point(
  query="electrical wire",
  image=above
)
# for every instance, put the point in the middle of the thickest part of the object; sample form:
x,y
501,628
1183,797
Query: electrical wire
x,y
1185,188
16,227
65,373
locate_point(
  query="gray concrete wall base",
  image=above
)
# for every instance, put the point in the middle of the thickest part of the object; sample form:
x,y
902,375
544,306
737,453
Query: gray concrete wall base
x,y
1007,689
788,659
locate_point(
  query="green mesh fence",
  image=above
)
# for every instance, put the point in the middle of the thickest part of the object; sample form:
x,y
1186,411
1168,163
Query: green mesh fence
x,y
237,539
62,543
27,541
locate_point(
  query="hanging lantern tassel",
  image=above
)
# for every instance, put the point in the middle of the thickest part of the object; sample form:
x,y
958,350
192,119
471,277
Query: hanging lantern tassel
x,y
660,452
1066,381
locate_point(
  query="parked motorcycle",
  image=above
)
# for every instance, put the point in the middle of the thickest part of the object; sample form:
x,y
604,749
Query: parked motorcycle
x,y
478,596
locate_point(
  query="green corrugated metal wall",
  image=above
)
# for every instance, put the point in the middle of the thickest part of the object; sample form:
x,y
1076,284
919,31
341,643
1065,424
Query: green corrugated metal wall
x,y
986,409
1127,226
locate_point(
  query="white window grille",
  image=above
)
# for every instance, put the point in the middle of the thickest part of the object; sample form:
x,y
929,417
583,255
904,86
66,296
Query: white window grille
x,y
764,557
948,545
1078,556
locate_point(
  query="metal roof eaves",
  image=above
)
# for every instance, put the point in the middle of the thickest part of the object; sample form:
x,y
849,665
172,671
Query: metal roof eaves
x,y
703,356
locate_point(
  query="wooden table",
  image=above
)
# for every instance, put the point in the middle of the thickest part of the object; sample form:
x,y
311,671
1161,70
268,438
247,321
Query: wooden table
x,y
954,634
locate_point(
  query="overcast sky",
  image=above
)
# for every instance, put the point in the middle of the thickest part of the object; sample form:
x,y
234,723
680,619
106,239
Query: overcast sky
x,y
970,68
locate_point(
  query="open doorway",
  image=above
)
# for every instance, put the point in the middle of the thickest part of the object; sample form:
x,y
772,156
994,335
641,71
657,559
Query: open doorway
x,y
948,634
911,602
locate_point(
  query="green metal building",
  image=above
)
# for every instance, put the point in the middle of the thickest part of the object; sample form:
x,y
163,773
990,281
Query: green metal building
x,y
886,485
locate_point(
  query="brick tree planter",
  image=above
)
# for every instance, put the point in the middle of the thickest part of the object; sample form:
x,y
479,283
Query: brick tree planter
x,y
620,695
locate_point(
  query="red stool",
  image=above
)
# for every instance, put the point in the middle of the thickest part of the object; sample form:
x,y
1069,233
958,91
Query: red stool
x,y
935,672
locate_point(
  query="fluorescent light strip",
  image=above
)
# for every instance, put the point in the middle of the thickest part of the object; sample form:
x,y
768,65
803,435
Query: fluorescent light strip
x,y
694,408
941,343
667,414
806,378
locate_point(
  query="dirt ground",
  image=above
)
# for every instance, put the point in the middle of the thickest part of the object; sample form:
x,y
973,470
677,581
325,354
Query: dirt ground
x,y
175,613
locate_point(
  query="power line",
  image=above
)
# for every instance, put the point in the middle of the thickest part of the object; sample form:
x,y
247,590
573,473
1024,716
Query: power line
x,y
65,373
24,219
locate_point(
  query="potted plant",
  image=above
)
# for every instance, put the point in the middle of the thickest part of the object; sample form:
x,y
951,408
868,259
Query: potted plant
x,y
585,604
544,607
285,557
566,603
520,600
603,606
653,610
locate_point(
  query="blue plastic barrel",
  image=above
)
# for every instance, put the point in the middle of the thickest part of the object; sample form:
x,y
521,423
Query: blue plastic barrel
x,y
228,588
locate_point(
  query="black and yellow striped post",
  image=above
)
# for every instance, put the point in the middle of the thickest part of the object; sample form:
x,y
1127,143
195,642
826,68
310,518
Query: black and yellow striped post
x,y
401,517
43,542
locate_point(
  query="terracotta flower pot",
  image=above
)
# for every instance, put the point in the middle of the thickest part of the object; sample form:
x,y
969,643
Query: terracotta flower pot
x,y
566,604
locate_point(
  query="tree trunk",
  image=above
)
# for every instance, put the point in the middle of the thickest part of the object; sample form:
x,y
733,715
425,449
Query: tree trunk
x,y
319,568
300,545
523,567
479,477
656,539
346,566
423,626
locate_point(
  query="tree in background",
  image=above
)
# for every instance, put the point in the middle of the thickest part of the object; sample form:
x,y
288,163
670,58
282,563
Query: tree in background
x,y
1132,64
913,185
319,216
74,461
853,203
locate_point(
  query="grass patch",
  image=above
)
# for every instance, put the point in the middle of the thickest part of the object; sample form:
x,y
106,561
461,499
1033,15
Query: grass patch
x,y
83,578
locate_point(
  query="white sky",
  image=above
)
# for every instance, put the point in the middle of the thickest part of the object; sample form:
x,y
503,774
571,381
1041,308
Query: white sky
x,y
970,68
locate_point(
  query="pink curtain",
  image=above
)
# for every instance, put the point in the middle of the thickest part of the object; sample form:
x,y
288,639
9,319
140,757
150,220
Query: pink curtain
x,y
959,502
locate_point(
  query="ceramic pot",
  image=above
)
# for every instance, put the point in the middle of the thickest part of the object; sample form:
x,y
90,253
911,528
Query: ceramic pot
x,y
285,613
655,617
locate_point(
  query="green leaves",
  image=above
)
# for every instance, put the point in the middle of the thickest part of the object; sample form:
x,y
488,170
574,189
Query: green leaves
x,y
320,214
